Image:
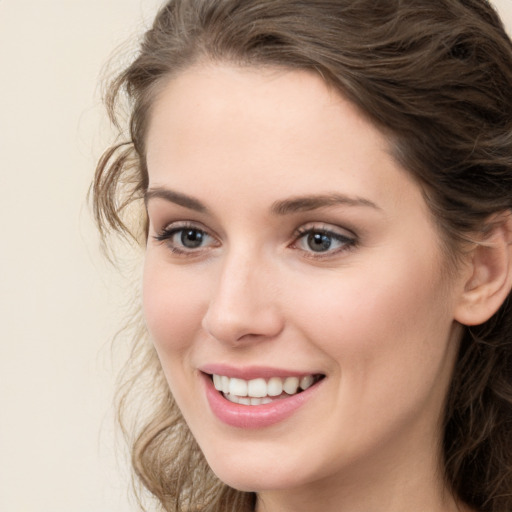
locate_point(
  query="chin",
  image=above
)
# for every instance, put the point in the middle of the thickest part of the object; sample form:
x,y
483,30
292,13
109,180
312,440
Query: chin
x,y
251,474
250,480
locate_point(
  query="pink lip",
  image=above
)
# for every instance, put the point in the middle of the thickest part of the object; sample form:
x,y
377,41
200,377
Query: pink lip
x,y
251,372
254,416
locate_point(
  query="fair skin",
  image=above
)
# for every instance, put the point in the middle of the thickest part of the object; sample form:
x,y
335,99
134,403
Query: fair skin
x,y
350,287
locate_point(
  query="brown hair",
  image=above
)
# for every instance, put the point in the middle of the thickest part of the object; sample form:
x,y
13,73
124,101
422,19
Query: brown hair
x,y
436,76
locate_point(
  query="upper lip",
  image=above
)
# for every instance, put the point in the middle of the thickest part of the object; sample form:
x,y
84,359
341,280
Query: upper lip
x,y
253,372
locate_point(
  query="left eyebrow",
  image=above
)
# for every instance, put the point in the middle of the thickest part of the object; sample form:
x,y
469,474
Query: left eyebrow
x,y
313,202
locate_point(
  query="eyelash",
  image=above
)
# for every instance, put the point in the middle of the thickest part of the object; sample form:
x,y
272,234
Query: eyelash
x,y
346,242
169,232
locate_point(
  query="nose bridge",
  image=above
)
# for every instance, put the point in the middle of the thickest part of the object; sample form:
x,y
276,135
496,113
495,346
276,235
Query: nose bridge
x,y
243,304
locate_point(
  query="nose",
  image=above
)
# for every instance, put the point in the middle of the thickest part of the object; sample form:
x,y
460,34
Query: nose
x,y
244,304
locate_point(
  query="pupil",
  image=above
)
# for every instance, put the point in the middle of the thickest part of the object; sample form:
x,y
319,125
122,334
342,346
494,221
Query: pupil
x,y
191,238
319,242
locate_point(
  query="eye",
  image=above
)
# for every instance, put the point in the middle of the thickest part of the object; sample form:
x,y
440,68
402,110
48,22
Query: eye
x,y
323,241
183,239
191,238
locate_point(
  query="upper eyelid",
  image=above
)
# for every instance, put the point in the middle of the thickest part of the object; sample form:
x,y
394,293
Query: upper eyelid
x,y
303,228
334,234
335,230
326,228
166,234
347,244
171,228
184,224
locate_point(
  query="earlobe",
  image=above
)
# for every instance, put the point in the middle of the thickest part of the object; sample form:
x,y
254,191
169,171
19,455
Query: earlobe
x,y
490,273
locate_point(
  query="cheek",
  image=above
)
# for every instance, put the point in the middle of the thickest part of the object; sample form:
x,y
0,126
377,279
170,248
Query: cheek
x,y
393,316
387,336
172,306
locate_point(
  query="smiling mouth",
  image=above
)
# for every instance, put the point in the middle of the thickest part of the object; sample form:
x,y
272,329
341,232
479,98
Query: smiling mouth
x,y
262,391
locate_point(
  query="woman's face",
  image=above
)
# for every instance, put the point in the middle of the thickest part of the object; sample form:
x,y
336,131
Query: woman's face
x,y
286,247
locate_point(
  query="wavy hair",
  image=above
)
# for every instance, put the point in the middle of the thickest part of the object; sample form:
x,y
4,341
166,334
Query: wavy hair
x,y
436,77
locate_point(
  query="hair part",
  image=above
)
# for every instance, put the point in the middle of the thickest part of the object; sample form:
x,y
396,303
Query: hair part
x,y
435,76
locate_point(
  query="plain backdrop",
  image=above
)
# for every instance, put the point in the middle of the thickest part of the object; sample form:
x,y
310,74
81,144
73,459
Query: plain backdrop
x,y
60,302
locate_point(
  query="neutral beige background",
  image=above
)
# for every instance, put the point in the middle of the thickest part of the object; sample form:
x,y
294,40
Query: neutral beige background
x,y
59,301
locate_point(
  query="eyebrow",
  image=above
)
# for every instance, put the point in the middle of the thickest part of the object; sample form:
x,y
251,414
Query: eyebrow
x,y
314,202
282,207
176,198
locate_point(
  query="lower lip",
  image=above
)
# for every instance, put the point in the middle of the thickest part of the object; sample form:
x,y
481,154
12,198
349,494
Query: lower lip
x,y
254,416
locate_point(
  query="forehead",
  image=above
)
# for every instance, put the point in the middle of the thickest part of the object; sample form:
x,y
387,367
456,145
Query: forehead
x,y
267,97
271,129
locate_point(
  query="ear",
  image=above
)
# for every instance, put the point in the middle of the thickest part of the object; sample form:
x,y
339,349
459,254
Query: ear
x,y
489,276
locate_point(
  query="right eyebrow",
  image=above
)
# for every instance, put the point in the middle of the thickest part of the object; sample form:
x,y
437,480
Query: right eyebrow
x,y
314,202
175,197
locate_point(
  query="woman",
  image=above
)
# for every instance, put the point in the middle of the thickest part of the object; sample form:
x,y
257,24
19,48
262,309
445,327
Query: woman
x,y
325,191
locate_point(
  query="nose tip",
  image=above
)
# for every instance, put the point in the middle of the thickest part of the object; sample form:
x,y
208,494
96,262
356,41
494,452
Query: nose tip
x,y
230,327
243,308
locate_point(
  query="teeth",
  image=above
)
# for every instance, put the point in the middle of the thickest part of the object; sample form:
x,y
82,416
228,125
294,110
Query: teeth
x,y
238,387
274,386
257,388
307,382
217,382
248,401
258,391
225,384
291,384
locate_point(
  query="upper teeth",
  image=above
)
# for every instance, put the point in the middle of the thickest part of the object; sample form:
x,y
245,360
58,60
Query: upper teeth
x,y
258,388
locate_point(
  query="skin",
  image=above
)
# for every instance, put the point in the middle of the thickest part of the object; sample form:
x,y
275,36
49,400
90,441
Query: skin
x,y
375,313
